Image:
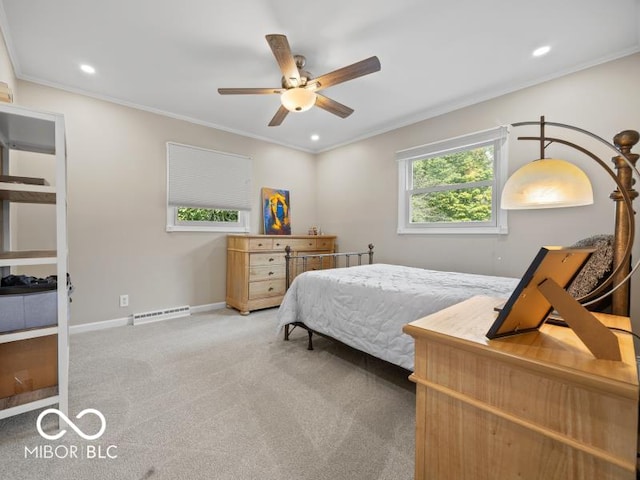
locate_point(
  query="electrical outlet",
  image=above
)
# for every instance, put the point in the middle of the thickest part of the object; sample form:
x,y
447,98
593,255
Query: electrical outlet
x,y
124,300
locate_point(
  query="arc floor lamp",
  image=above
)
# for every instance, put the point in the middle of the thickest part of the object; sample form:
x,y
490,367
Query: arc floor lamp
x,y
552,183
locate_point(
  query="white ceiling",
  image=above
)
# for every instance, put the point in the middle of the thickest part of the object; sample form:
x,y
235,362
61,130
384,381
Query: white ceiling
x,y
436,55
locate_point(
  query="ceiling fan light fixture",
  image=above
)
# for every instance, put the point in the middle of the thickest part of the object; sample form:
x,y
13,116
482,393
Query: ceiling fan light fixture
x,y
298,99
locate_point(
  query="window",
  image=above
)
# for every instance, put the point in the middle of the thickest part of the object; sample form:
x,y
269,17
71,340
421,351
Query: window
x,y
453,186
209,219
207,190
186,214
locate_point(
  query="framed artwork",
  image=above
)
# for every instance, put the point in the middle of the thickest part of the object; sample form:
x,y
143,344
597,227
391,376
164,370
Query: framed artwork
x,y
276,211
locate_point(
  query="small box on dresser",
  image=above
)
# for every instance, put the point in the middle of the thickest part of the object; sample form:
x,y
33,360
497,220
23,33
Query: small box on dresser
x,y
256,267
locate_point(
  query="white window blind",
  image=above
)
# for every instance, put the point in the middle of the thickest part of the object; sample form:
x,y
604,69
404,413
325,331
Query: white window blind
x,y
201,178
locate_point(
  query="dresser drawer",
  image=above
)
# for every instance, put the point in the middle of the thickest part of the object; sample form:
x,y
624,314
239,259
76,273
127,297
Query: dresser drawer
x,y
261,244
266,259
268,272
324,243
267,288
280,243
298,244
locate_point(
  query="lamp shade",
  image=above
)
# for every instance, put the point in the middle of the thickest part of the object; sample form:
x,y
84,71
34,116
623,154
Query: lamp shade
x,y
298,99
547,183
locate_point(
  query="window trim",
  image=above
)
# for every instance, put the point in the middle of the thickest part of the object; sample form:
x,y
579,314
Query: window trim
x,y
499,137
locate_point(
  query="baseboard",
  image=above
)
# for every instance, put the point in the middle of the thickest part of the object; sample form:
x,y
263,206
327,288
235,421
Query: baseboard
x,y
89,327
209,307
124,321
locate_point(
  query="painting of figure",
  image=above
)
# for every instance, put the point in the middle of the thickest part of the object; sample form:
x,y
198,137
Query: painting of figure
x,y
276,211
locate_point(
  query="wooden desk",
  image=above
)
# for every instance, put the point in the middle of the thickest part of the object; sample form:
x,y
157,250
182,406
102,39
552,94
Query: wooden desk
x,y
532,406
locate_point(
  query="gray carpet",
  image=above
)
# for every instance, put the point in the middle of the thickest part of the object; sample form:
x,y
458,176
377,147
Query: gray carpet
x,y
221,396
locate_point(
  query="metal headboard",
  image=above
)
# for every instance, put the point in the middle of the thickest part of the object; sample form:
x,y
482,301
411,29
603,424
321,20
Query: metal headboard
x,y
322,256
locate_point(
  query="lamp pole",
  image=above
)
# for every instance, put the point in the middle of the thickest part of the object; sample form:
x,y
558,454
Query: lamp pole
x,y
624,141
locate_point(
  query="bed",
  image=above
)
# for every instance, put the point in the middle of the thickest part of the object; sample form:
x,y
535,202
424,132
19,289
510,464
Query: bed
x,y
366,306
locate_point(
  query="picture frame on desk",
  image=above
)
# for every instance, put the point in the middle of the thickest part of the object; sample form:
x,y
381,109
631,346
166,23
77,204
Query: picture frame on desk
x,y
543,289
527,308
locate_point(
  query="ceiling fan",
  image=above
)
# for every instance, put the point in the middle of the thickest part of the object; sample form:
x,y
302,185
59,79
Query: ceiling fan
x,y
299,91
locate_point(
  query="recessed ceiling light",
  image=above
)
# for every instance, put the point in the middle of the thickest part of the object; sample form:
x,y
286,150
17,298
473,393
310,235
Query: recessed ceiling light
x,y
315,137
538,52
87,69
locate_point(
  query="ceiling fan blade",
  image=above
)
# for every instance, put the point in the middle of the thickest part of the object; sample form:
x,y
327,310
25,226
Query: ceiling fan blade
x,y
332,106
278,117
281,50
358,69
249,91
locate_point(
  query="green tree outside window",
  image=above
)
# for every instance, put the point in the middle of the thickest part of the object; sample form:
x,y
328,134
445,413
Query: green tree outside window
x,y
206,215
441,187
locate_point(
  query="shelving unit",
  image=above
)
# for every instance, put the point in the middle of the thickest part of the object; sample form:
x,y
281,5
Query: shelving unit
x,y
34,362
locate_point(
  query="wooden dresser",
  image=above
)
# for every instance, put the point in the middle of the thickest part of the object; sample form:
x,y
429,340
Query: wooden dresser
x,y
256,267
532,406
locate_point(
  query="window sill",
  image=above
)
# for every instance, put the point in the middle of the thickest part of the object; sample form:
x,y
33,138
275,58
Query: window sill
x,y
453,231
180,228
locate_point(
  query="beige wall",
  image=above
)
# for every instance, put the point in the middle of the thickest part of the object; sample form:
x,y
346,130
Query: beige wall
x,y
117,205
358,183
116,160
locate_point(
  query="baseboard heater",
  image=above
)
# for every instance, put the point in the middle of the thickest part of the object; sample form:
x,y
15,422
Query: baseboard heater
x,y
158,315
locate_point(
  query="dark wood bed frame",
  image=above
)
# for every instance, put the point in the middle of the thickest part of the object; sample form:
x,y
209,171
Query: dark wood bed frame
x,y
333,262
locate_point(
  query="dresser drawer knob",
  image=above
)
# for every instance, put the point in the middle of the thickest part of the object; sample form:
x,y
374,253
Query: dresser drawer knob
x,y
270,289
270,273
271,259
259,244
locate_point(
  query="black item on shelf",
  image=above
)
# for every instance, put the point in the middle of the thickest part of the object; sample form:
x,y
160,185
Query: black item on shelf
x,y
24,284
